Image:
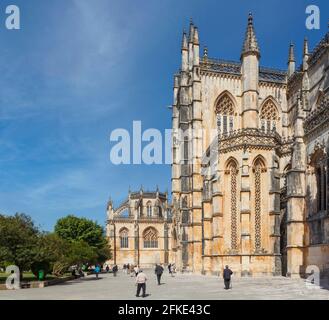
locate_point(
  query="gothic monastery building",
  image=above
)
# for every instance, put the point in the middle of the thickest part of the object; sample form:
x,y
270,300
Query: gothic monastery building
x,y
138,229
250,167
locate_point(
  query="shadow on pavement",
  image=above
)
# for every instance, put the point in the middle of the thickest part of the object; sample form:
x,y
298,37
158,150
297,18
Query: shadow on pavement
x,y
79,280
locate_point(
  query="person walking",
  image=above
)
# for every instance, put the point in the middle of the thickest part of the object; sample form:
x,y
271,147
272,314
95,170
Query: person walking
x,y
141,283
124,268
170,269
115,270
158,271
136,270
227,273
107,268
173,268
97,270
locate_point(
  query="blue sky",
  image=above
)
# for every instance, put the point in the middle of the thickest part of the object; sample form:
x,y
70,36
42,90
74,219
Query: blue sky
x,y
79,69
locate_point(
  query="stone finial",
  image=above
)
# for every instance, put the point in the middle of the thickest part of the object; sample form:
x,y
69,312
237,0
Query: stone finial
x,y
110,203
184,41
191,32
196,36
305,54
250,44
291,60
305,47
291,57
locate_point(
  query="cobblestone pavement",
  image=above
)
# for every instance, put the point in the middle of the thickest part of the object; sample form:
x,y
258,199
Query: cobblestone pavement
x,y
182,286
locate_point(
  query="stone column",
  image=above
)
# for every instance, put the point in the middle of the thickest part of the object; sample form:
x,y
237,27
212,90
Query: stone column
x,y
296,200
217,224
136,235
207,237
274,215
245,212
166,244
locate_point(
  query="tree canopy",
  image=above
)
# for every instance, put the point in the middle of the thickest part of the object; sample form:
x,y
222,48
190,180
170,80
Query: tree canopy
x,y
18,240
76,241
73,228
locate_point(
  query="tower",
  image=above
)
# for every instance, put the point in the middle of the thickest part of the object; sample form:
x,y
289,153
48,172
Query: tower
x,y
250,65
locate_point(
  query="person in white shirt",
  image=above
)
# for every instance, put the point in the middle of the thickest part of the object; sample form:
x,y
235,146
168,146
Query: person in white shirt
x,y
141,283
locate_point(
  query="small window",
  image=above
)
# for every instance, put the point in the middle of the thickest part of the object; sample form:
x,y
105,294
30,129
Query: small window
x,y
124,238
149,209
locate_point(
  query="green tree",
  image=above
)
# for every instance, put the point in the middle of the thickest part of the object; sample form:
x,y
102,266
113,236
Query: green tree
x,y
60,253
84,235
73,228
18,241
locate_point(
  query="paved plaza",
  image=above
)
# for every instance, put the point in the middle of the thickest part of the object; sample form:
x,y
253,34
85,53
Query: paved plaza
x,y
182,286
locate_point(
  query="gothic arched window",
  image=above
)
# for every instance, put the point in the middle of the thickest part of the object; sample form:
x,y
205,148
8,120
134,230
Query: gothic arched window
x,y
149,209
124,242
319,162
269,116
259,168
150,237
232,171
225,114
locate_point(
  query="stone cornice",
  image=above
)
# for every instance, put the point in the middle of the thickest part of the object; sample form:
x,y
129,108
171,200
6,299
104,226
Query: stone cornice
x,y
252,138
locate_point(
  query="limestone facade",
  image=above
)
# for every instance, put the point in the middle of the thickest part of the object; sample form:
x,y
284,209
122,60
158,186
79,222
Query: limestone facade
x,y
138,229
250,173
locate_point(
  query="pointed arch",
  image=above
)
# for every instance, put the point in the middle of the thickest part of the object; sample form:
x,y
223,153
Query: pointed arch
x,y
149,209
269,114
150,236
225,103
225,109
231,163
232,174
124,237
320,167
259,166
259,161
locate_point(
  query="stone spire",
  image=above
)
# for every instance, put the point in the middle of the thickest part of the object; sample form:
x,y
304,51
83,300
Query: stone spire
x,y
184,65
184,41
191,32
305,54
196,47
291,57
250,77
196,36
250,44
305,48
191,45
291,60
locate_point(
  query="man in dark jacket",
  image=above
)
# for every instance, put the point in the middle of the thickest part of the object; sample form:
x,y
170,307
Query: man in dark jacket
x,y
115,270
227,277
158,272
